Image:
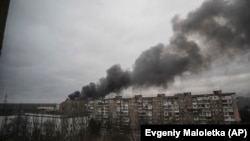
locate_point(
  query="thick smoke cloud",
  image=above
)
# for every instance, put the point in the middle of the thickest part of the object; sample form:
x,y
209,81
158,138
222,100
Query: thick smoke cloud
x,y
224,26
115,80
159,65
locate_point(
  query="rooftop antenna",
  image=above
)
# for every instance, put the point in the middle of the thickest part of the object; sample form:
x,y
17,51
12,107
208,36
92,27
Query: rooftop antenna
x,y
219,85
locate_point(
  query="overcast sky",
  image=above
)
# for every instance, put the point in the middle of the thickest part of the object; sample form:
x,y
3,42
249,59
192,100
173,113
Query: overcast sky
x,y
53,48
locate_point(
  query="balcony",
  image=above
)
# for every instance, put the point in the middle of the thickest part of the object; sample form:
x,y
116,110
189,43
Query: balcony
x,y
166,114
105,116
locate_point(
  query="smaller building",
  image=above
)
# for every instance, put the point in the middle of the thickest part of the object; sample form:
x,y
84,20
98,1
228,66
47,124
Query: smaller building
x,y
49,108
42,125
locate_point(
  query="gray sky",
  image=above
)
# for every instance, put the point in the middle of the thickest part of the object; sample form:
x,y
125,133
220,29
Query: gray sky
x,y
53,48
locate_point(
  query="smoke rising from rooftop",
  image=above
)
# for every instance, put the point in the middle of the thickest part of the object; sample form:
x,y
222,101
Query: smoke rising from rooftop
x,y
224,26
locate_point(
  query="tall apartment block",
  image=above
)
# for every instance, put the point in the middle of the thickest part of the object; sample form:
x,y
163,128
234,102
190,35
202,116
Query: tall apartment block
x,y
184,108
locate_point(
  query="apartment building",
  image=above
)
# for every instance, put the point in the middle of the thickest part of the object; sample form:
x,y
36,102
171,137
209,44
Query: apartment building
x,y
183,108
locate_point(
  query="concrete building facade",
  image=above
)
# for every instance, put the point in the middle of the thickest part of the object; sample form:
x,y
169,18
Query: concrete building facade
x,y
184,108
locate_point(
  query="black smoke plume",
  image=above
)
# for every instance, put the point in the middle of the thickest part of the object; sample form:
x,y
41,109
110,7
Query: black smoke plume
x,y
223,27
115,80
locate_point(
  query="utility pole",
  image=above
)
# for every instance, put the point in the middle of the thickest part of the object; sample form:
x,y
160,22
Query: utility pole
x,y
4,110
4,133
